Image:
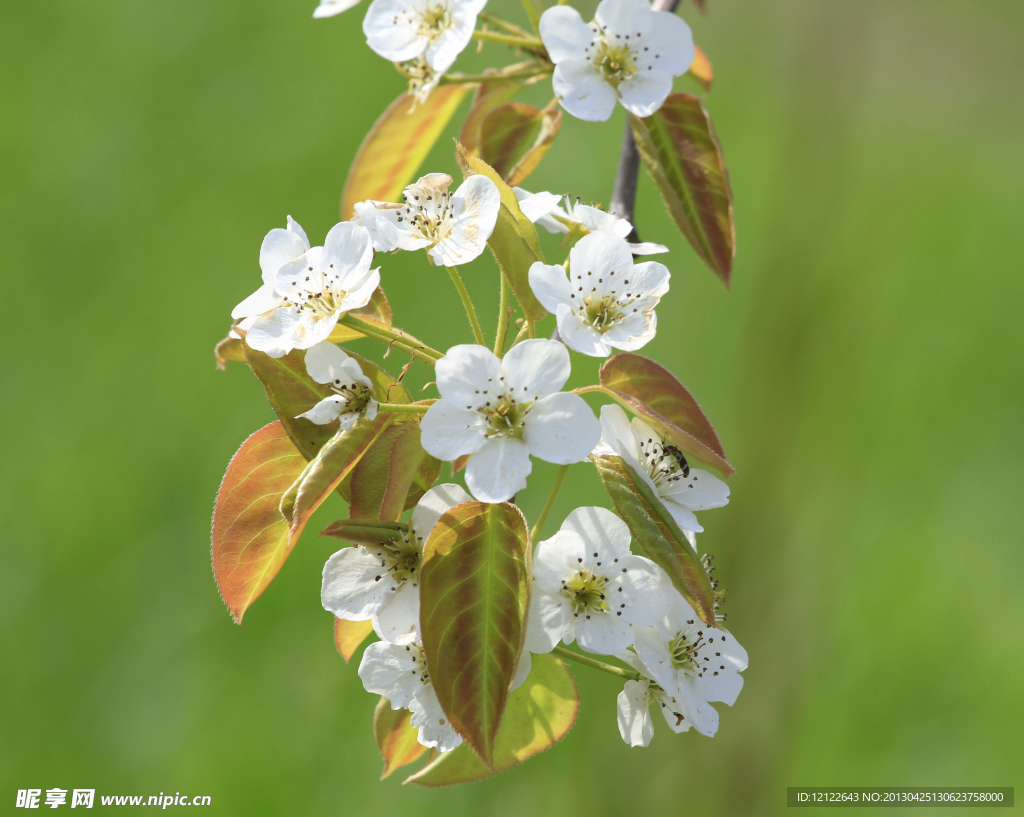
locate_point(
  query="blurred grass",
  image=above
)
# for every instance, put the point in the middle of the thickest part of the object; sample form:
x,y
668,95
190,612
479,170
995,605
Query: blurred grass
x,y
864,375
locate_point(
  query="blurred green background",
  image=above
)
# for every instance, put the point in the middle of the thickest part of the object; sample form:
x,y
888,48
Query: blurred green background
x,y
864,375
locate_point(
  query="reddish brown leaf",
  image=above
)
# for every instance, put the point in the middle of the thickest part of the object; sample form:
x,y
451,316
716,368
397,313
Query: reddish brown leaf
x,y
250,537
488,96
348,635
701,70
515,137
396,737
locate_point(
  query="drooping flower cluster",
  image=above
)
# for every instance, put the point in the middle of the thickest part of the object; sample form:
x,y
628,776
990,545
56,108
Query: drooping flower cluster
x,y
429,566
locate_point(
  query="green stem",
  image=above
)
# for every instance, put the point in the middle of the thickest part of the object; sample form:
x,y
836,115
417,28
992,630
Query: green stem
x,y
402,408
528,43
499,340
559,478
531,12
460,79
569,655
495,20
392,337
468,303
522,334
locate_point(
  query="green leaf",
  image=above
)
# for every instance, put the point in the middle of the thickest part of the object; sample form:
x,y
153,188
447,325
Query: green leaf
x,y
514,241
348,635
474,595
250,537
391,476
658,534
656,395
331,465
540,713
515,137
396,737
396,146
488,96
682,153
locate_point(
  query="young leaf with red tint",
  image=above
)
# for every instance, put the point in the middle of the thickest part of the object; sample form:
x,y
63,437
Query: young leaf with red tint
x,y
488,96
658,534
515,137
474,594
250,537
392,476
682,153
332,464
514,241
396,737
653,393
394,149
539,714
348,635
701,70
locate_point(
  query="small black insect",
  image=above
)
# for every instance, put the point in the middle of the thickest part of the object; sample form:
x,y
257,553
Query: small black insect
x,y
684,466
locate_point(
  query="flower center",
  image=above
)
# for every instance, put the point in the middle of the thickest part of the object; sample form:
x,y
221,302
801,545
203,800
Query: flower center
x,y
585,591
427,212
415,651
356,395
323,303
506,417
602,313
685,655
401,558
433,19
664,463
615,62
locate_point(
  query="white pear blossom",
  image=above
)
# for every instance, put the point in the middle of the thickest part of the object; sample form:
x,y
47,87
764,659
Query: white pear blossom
x,y
328,8
352,397
692,662
606,302
502,411
662,466
545,209
633,706
382,583
399,673
588,586
453,228
628,52
280,247
316,289
437,30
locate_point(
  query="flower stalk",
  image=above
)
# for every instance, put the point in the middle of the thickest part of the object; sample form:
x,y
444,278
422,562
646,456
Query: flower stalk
x,y
467,302
619,672
549,502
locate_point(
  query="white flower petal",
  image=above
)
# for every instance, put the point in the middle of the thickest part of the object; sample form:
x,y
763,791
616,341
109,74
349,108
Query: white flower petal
x,y
475,208
617,436
447,432
674,712
602,633
389,670
536,205
669,44
348,251
327,411
634,332
597,220
436,730
522,670
703,716
624,17
278,248
649,278
549,620
645,91
358,291
647,587
398,620
328,8
653,650
562,429
295,227
259,303
498,470
700,491
582,91
557,559
550,284
684,517
327,363
273,333
382,232
535,368
392,32
720,685
634,713
601,531
601,263
564,33
466,371
449,43
351,588
735,656
434,504
647,248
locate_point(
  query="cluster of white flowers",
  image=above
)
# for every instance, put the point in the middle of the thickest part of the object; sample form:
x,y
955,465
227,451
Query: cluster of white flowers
x,y
628,52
